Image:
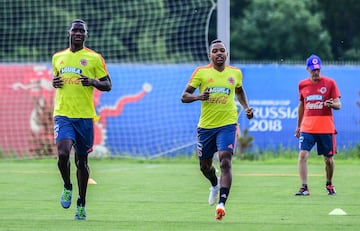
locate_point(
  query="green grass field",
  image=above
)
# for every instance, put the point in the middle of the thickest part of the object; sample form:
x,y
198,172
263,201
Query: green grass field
x,y
172,195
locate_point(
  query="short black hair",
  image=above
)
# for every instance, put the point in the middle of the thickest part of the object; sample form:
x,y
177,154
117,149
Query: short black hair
x,y
216,41
78,21
81,22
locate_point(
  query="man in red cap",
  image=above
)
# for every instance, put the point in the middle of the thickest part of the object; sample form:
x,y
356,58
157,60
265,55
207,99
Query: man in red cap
x,y
318,95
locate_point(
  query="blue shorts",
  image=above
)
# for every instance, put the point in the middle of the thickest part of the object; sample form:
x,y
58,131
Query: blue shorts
x,y
212,140
81,131
326,143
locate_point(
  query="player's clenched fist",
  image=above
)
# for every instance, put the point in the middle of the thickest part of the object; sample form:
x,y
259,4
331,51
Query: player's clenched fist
x,y
249,113
57,82
205,94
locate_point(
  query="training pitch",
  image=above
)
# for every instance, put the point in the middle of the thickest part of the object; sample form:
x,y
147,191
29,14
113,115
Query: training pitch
x,y
172,195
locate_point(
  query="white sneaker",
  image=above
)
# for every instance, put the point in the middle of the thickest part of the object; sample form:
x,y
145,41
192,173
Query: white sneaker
x,y
214,191
220,211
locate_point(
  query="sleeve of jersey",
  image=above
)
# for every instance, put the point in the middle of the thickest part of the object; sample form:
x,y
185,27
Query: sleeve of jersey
x,y
335,93
301,98
239,79
100,68
54,70
195,79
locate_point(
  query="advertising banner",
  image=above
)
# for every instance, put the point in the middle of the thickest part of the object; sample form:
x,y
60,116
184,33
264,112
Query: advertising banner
x,y
143,114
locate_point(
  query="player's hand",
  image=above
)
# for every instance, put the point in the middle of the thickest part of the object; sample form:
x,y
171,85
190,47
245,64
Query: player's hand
x,y
86,81
57,82
329,102
205,94
249,113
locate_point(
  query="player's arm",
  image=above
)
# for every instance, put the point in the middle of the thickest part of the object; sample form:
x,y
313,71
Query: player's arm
x,y
300,117
188,95
103,84
242,98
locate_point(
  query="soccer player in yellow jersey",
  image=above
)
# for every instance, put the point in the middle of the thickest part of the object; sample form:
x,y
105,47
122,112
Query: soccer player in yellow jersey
x,y
77,71
218,85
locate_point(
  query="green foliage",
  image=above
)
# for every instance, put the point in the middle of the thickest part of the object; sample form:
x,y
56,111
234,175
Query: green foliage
x,y
279,30
28,53
123,31
128,31
342,21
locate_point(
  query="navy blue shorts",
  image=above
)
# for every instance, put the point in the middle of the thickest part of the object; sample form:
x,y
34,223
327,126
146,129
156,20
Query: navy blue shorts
x,y
326,143
212,140
81,131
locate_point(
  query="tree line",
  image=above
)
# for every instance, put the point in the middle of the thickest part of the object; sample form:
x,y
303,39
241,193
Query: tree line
x,y
291,30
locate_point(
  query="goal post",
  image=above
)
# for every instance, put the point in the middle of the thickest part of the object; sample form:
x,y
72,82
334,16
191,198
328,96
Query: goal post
x,y
223,24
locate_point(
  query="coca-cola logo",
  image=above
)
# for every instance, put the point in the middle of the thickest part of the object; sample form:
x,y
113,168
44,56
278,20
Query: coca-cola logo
x,y
219,100
72,80
316,105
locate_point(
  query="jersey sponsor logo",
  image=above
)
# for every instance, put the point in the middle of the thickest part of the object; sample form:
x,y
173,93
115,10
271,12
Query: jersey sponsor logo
x,y
222,90
222,99
317,105
314,97
72,80
211,80
73,70
219,100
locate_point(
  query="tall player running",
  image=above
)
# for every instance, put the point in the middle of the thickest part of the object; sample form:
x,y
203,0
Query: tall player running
x,y
218,84
77,71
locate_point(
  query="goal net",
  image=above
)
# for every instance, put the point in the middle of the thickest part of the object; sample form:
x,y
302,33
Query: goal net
x,y
151,47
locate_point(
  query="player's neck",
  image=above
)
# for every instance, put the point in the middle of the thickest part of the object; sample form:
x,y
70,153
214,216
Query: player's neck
x,y
75,48
219,68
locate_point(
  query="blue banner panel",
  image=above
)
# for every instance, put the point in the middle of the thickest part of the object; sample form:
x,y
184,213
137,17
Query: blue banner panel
x,y
151,120
143,114
272,92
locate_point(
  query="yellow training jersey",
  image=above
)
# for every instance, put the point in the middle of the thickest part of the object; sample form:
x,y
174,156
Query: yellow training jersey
x,y
220,108
74,100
